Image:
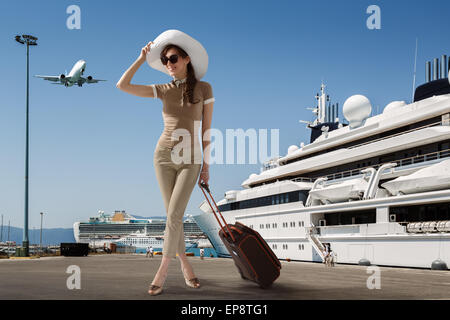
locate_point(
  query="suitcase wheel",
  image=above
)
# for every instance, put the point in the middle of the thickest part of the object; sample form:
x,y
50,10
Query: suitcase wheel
x,y
242,276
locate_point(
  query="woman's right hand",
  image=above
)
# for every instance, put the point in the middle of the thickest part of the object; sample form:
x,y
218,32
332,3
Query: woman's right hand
x,y
144,51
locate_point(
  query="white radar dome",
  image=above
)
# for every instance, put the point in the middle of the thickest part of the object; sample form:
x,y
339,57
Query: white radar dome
x,y
394,105
356,109
292,149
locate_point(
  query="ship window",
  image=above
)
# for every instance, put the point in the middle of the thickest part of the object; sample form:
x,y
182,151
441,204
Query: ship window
x,y
424,212
352,217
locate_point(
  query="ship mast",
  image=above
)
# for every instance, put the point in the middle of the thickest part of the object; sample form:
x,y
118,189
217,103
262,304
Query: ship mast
x,y
321,106
322,116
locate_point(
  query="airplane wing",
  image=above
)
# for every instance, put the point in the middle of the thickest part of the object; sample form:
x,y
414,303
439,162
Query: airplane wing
x,y
52,78
90,80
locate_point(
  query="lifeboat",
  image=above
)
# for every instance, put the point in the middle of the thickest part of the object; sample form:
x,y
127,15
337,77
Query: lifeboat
x,y
432,178
352,189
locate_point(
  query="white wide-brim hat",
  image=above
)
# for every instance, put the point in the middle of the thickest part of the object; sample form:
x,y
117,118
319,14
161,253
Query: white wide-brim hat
x,y
198,55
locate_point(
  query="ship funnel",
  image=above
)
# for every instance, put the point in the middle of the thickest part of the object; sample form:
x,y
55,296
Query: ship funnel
x,y
328,117
435,68
440,69
444,68
428,72
333,117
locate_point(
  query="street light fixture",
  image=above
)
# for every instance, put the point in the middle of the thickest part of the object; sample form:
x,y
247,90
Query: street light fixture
x,y
29,41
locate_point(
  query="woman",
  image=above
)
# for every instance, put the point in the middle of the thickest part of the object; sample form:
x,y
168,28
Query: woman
x,y
186,100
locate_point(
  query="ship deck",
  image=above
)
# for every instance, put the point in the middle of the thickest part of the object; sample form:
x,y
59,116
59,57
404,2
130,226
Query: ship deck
x,y
127,276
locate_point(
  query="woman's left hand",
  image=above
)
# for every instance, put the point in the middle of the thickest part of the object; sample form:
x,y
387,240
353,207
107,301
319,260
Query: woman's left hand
x,y
204,176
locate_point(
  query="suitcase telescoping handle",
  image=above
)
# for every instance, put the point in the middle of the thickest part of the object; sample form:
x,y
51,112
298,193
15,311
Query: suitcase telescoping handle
x,y
206,187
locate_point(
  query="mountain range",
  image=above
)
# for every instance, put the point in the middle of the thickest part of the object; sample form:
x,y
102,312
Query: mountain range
x,y
49,236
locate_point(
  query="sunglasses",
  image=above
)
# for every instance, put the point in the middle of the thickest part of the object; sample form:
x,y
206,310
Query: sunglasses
x,y
173,59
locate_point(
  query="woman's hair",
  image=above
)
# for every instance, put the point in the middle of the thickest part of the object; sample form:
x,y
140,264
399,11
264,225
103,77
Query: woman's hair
x,y
190,79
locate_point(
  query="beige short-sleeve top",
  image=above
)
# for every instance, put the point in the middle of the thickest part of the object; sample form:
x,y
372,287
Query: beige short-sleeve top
x,y
178,113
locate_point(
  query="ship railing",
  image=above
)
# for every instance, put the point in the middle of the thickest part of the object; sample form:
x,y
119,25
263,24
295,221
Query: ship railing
x,y
434,124
301,179
400,163
270,164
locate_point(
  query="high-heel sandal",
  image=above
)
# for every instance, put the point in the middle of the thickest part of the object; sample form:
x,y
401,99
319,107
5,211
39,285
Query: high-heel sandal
x,y
193,283
154,290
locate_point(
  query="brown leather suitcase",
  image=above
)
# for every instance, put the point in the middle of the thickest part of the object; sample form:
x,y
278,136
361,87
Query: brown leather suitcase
x,y
251,254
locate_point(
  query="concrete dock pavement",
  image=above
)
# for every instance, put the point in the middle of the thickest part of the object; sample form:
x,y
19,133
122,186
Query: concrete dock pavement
x,y
127,276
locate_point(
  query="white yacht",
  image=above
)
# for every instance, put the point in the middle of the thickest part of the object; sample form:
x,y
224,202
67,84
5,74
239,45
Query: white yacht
x,y
376,189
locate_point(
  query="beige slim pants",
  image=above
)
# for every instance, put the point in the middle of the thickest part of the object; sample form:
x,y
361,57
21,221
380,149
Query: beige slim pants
x,y
176,182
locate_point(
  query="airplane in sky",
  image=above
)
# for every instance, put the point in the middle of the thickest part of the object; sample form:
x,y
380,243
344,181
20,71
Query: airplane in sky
x,y
74,76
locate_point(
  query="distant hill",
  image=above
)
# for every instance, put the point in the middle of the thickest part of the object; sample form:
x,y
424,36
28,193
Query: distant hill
x,y
49,236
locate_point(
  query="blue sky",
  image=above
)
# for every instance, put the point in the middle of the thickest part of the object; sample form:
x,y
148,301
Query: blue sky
x,y
91,148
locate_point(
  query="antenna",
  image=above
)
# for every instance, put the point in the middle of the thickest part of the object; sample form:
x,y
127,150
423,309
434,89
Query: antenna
x,y
415,68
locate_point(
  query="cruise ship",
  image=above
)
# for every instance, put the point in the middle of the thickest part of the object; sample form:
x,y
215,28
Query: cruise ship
x,y
375,189
105,228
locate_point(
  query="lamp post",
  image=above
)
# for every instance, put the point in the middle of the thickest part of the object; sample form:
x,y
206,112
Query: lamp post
x,y
29,41
40,241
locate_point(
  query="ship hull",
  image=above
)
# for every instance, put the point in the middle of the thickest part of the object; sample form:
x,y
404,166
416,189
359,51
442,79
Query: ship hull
x,y
383,243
